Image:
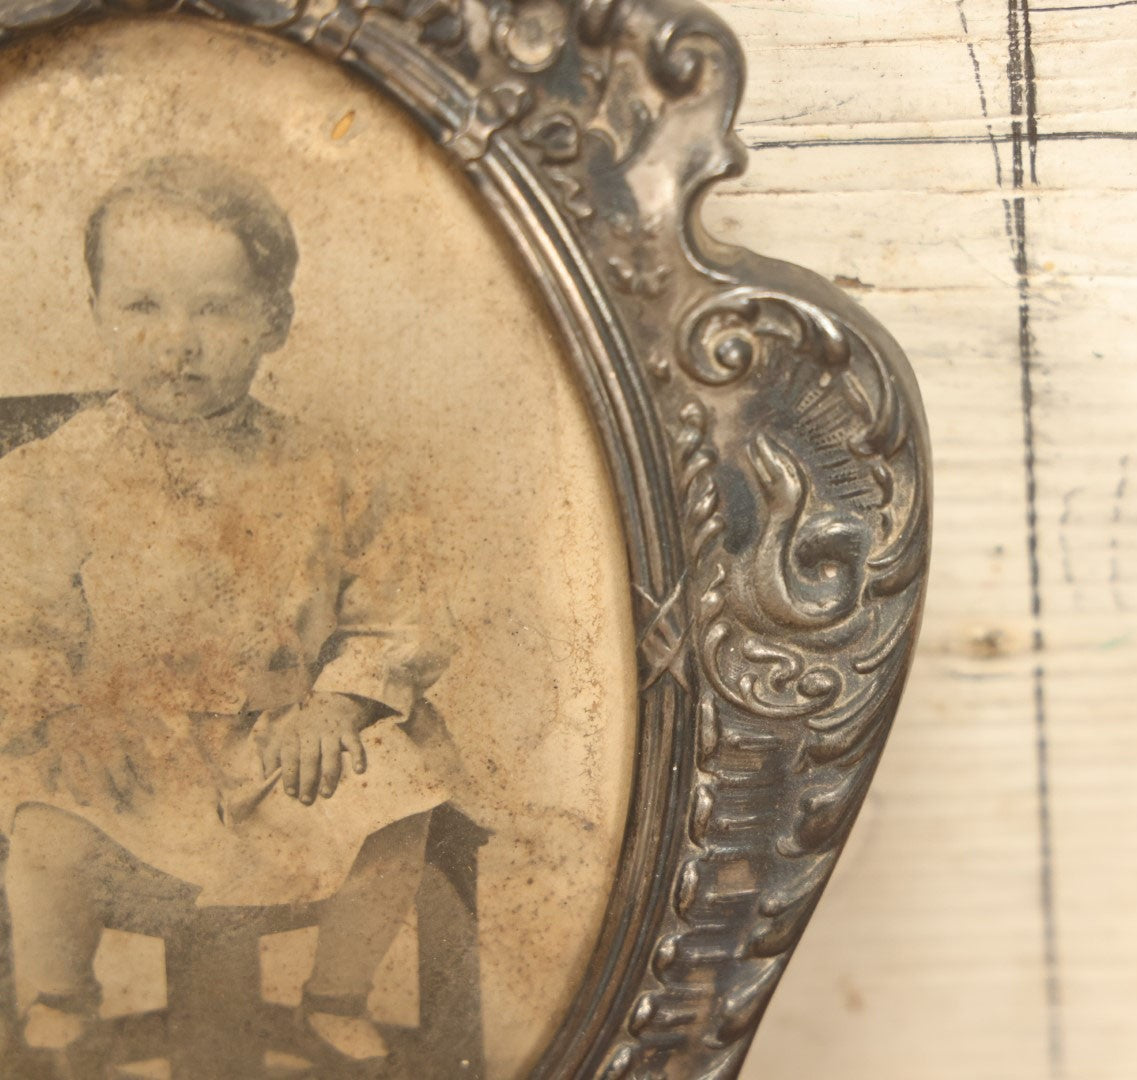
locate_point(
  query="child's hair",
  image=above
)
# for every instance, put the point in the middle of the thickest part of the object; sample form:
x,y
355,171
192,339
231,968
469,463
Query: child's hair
x,y
222,195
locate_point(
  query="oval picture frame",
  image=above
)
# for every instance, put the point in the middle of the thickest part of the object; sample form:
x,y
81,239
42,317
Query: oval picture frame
x,y
766,445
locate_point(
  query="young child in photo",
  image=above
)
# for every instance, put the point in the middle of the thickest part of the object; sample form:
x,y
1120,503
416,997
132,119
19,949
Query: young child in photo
x,y
208,635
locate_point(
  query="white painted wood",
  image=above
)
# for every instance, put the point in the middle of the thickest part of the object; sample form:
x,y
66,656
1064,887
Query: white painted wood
x,y
981,925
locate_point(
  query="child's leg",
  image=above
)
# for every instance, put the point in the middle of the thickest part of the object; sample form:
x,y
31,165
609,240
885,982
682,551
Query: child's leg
x,y
56,921
66,880
357,927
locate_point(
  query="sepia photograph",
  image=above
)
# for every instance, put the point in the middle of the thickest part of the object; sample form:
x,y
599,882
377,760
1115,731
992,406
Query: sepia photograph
x,y
317,667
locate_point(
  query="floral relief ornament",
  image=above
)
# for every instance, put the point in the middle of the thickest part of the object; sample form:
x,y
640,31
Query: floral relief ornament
x,y
765,440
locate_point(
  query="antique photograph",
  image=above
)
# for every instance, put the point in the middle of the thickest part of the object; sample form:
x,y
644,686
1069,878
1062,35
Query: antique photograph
x,y
453,603
317,677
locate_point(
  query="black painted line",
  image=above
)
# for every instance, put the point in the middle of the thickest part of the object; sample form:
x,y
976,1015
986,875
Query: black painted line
x,y
1085,7
1024,144
978,76
1056,1052
1030,79
1016,79
870,140
941,140
1057,136
976,71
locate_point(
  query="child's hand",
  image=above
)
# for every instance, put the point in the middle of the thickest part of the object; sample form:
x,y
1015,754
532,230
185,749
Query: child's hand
x,y
95,762
306,742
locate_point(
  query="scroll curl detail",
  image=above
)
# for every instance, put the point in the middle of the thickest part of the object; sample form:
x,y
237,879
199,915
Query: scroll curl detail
x,y
679,50
723,337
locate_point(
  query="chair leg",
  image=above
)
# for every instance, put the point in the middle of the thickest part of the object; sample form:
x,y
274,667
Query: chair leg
x,y
450,1038
213,988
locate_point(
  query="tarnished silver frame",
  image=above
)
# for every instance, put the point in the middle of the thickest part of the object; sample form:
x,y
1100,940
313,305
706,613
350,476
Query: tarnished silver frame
x,y
766,443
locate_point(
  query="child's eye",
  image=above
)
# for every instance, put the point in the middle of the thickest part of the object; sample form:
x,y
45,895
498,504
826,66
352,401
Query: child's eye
x,y
143,306
220,308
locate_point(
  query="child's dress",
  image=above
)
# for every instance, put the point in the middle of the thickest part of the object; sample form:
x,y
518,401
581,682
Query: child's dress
x,y
183,595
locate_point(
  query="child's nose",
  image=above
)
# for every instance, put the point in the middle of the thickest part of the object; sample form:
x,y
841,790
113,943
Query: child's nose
x,y
182,341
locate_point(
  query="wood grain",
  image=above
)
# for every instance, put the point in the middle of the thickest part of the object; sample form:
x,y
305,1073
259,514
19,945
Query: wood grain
x,y
968,170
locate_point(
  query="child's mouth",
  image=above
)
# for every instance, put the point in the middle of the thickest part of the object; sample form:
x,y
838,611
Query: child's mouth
x,y
186,382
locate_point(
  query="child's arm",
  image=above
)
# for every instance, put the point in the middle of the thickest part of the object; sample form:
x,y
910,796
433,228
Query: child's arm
x,y
384,654
43,613
393,638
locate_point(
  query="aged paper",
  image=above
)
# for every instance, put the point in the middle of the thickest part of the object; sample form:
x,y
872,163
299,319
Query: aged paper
x,y
317,656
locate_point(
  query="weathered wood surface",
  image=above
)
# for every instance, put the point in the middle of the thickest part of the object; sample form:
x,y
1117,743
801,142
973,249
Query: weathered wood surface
x,y
968,169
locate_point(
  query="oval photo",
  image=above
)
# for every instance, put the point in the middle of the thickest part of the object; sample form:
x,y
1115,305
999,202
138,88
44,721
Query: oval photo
x,y
316,654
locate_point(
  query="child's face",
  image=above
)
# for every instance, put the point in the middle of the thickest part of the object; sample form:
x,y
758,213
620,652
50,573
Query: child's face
x,y
179,310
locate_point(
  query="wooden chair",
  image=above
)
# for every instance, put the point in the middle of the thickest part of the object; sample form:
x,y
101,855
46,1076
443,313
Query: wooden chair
x,y
207,1035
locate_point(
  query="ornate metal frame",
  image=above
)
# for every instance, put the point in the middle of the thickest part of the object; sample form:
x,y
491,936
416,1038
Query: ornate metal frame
x,y
766,443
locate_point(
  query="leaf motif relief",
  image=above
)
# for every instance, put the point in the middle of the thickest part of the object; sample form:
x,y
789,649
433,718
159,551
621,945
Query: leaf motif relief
x,y
441,23
493,110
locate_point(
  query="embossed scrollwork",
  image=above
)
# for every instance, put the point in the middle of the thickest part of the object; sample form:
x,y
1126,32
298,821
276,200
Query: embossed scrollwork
x,y
805,573
441,23
679,50
531,34
490,112
763,679
720,339
596,19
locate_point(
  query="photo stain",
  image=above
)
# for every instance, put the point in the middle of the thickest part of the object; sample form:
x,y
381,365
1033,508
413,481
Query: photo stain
x,y
343,125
